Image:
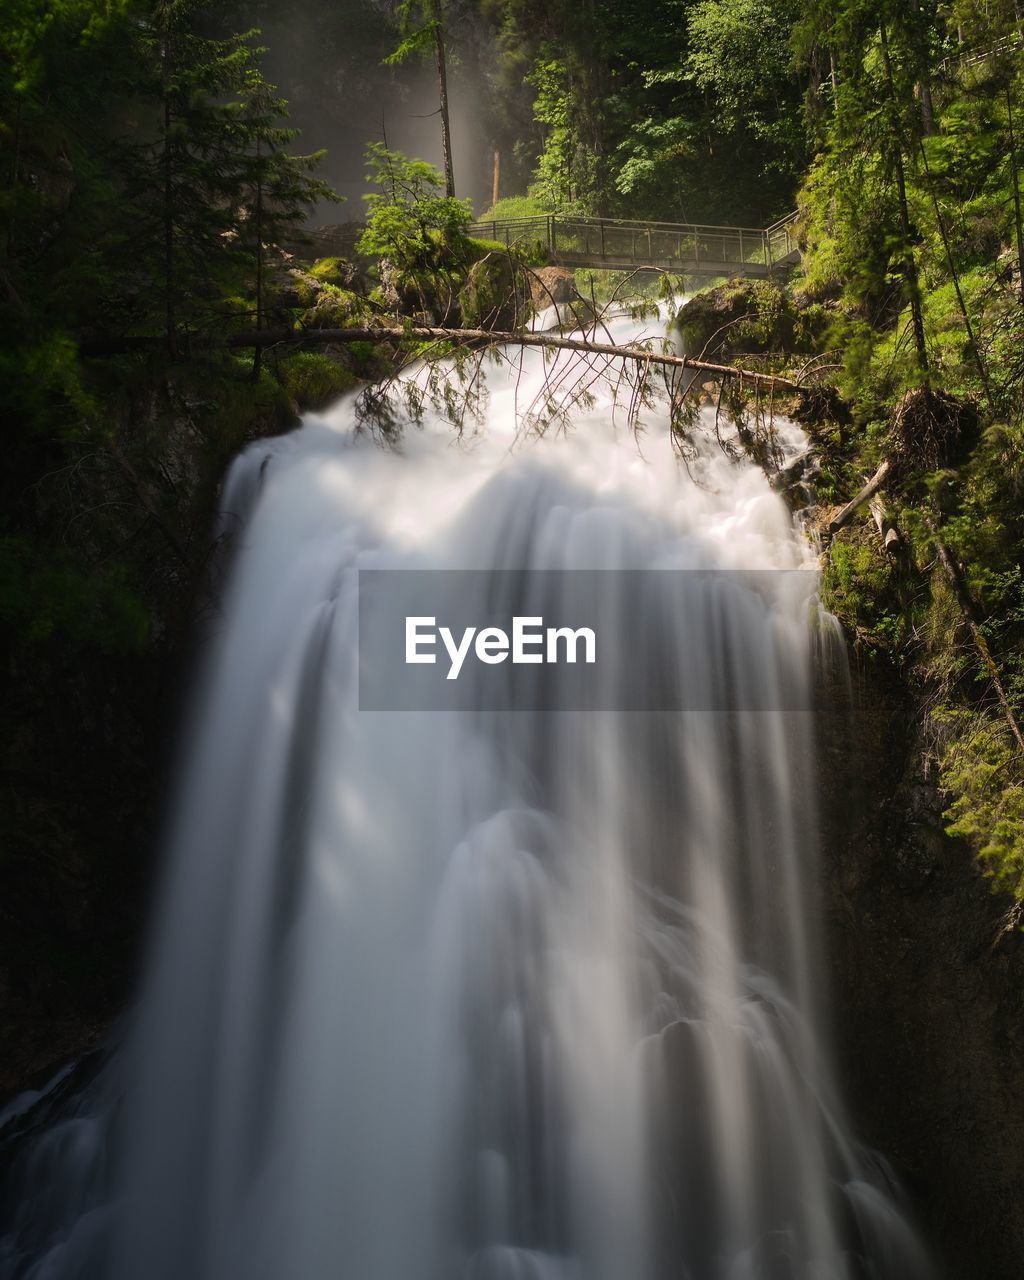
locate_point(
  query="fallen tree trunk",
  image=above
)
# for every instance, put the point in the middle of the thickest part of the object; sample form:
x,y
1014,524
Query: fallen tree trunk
x,y
866,494
469,337
890,535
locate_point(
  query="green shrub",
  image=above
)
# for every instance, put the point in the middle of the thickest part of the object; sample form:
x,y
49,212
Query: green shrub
x,y
313,380
860,587
979,767
409,221
47,593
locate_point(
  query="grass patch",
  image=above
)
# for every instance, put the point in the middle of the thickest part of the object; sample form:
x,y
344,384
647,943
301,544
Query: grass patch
x,y
313,380
516,207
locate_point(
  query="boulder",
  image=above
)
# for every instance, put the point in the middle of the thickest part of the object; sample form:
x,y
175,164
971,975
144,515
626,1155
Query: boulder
x,y
552,285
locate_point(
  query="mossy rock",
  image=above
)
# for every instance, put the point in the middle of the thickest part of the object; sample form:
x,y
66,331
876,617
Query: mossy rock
x,y
336,308
298,287
862,587
751,316
495,295
334,270
421,293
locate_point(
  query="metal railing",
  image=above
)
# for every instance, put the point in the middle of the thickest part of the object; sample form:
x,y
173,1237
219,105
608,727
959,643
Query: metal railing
x,y
689,248
686,248
780,239
982,53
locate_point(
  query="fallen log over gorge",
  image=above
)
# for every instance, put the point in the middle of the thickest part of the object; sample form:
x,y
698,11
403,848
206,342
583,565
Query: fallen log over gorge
x,y
262,338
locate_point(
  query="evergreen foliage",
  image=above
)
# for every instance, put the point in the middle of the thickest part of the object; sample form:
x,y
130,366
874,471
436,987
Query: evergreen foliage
x,y
146,177
149,182
910,216
684,111
409,220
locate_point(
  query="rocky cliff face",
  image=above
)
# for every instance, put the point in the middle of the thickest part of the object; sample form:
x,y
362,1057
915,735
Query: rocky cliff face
x,y
101,594
927,971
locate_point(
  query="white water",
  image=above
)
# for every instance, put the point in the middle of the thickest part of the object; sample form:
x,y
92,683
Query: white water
x,y
469,995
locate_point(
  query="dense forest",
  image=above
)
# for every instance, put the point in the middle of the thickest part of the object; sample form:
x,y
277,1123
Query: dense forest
x,y
169,169
216,217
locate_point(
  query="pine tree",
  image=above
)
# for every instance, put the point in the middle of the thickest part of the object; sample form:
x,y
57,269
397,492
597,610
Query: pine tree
x,y
279,189
423,27
220,183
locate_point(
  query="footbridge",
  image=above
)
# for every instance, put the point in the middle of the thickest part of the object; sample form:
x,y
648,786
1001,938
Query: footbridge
x,y
686,249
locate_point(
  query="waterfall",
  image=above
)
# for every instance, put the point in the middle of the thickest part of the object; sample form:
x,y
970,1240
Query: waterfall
x,y
478,993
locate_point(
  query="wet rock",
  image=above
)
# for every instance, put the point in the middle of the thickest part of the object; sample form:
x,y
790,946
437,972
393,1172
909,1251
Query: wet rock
x,y
552,286
927,970
748,316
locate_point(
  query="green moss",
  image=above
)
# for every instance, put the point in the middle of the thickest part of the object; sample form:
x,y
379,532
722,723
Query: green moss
x,y
366,361
980,772
861,587
478,247
337,308
494,295
750,316
334,271
305,292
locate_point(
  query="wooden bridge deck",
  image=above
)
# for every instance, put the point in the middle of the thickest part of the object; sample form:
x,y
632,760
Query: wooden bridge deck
x,y
681,248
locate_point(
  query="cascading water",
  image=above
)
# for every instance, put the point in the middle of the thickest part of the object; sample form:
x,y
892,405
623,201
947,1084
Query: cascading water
x,y
473,994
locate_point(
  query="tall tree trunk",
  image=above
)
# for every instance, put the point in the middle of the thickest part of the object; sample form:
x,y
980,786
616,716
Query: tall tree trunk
x,y
170,321
910,261
442,77
924,91
1015,172
257,359
978,358
15,181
